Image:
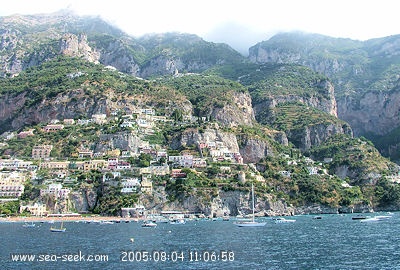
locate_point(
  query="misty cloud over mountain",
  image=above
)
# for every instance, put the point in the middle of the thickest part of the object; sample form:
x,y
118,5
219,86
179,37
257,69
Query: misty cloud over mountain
x,y
238,36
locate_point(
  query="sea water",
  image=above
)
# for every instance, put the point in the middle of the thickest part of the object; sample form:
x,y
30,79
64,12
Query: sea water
x,y
332,242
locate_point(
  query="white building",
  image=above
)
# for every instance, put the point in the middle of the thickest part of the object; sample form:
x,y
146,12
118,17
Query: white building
x,y
183,160
55,190
130,185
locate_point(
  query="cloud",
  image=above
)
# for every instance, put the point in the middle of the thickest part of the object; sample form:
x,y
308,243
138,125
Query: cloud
x,y
238,23
239,36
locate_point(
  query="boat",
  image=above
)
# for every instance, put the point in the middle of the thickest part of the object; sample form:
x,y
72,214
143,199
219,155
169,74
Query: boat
x,y
177,221
375,219
29,225
251,223
149,224
383,217
370,219
105,222
284,220
61,229
358,217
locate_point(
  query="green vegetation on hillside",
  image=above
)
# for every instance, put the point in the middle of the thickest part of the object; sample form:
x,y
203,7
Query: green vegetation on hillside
x,y
205,92
289,80
292,116
358,154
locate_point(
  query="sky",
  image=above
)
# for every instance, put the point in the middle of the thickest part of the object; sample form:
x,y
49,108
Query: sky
x,y
239,23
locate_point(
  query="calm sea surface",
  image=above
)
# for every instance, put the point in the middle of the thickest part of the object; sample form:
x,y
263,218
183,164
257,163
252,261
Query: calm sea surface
x,y
333,242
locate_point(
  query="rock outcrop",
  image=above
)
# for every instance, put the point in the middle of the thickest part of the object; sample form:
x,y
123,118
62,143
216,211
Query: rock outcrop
x,y
325,103
238,112
219,204
252,149
77,46
313,135
192,137
120,140
374,112
14,114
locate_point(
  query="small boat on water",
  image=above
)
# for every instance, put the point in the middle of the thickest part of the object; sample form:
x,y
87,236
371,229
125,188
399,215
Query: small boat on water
x,y
383,217
375,219
178,221
61,229
284,220
370,219
358,217
29,225
105,222
149,224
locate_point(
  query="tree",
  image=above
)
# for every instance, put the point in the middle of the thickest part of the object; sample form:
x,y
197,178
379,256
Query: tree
x,y
9,208
177,115
31,192
144,160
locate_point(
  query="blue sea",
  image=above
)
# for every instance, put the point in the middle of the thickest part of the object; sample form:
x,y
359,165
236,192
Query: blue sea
x,y
332,242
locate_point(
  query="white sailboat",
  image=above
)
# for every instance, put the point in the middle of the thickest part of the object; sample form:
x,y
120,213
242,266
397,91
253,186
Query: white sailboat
x,y
61,229
251,223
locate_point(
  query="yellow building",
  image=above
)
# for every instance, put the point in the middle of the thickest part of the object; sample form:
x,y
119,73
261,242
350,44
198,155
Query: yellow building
x,y
59,165
94,164
11,184
114,153
36,209
146,185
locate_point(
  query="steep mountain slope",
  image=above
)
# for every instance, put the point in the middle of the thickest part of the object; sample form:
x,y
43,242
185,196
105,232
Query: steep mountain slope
x,y
290,98
30,40
365,76
71,88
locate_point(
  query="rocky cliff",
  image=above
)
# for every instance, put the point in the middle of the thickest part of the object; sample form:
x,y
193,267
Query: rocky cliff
x,y
238,112
325,102
253,148
77,46
14,113
313,135
120,140
374,112
219,203
192,137
365,75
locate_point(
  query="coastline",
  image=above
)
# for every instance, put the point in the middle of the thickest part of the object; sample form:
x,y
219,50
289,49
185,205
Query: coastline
x,y
66,219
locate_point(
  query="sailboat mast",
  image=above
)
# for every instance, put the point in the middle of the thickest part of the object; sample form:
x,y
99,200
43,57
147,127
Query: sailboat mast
x,y
252,196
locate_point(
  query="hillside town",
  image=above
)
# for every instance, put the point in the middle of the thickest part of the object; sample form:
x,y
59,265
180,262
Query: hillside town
x,y
57,178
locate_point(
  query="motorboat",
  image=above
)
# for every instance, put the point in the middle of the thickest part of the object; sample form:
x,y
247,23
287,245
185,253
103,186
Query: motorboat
x,y
284,220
